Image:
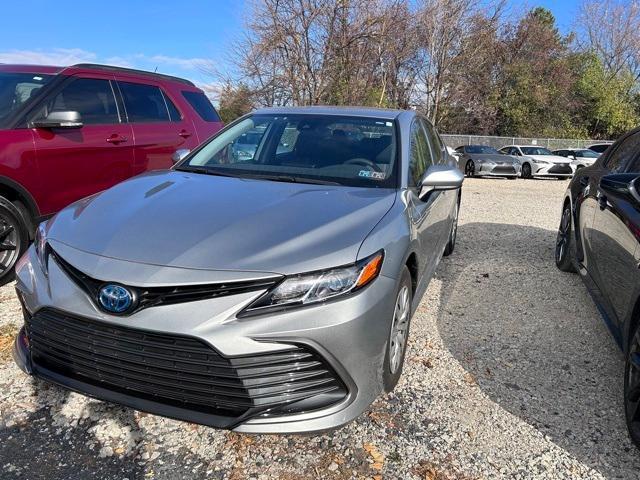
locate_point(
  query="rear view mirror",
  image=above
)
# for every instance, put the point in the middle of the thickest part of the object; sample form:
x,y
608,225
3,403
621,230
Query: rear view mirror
x,y
441,177
68,119
626,184
180,154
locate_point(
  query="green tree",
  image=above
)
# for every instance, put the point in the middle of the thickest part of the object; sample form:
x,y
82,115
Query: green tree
x,y
235,101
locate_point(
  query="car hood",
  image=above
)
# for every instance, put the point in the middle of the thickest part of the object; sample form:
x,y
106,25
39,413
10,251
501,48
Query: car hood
x,y
199,221
494,157
550,158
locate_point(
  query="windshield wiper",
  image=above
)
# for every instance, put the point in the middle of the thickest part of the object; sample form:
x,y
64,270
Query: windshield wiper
x,y
205,171
293,179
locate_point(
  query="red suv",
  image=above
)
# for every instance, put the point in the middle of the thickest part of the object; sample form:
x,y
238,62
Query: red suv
x,y
66,133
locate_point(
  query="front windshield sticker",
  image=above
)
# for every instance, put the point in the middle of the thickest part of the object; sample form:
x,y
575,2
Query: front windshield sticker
x,y
372,175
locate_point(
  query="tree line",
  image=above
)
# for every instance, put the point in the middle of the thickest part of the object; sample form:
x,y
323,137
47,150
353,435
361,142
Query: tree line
x,y
471,66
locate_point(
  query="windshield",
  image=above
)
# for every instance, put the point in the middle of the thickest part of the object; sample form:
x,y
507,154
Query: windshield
x,y
16,89
480,149
587,154
535,151
331,149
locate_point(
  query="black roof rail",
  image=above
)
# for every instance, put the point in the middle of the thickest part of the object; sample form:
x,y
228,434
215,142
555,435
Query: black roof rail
x,y
97,66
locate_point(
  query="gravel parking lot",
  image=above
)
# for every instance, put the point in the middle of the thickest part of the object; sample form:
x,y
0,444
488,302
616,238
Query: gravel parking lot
x,y
510,373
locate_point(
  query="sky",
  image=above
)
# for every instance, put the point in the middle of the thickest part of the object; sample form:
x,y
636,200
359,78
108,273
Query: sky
x,y
181,38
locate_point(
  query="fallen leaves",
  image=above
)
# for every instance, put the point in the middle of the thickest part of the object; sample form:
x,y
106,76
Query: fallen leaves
x,y
376,455
7,335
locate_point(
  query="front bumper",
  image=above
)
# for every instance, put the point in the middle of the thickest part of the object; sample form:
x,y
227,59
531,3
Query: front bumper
x,y
499,170
346,339
552,170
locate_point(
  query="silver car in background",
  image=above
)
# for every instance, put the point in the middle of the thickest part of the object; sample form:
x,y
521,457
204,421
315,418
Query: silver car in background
x,y
262,292
481,160
580,157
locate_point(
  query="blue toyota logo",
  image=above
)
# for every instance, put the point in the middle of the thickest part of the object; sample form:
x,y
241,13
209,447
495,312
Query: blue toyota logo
x,y
115,299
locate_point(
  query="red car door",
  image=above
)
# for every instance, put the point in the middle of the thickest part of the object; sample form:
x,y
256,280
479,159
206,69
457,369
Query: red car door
x,y
159,128
76,162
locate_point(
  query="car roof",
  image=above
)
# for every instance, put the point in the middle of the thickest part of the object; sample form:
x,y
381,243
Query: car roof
x,y
382,113
85,67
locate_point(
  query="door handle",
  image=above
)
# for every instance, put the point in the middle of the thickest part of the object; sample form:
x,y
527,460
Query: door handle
x,y
184,134
115,139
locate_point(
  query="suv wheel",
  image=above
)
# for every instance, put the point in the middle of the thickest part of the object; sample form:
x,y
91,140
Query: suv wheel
x,y
632,386
398,333
14,238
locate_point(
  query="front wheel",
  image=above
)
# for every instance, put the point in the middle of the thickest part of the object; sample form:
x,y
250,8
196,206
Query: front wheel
x,y
563,241
470,169
398,333
526,171
632,386
14,239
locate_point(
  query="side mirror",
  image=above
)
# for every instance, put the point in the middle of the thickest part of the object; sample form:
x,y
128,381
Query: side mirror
x,y
625,184
441,177
179,155
67,119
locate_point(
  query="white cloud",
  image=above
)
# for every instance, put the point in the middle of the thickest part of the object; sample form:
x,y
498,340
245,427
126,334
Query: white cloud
x,y
183,63
55,56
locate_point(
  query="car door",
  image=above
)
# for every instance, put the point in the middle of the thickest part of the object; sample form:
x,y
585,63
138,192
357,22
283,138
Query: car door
x,y
159,128
423,213
74,163
613,240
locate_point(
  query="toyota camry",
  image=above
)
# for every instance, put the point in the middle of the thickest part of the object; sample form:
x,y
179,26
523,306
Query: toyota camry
x,y
269,292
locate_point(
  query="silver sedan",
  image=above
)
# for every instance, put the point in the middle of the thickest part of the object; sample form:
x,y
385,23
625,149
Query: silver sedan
x,y
480,160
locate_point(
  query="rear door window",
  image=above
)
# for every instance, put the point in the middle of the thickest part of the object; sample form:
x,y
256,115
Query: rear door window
x,y
144,103
624,153
202,106
92,98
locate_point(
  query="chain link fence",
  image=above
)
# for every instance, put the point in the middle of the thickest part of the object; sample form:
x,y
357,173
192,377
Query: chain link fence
x,y
455,141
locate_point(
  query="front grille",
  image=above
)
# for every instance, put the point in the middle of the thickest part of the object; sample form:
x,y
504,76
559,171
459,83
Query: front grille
x,y
504,169
561,169
154,296
181,371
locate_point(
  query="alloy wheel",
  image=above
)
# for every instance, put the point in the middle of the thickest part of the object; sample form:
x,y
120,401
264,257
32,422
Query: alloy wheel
x,y
562,240
399,329
470,169
526,171
8,243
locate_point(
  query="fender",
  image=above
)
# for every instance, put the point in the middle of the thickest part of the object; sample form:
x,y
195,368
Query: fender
x,y
23,195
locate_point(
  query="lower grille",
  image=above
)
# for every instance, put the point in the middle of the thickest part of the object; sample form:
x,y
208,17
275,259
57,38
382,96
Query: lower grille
x,y
504,169
181,371
561,169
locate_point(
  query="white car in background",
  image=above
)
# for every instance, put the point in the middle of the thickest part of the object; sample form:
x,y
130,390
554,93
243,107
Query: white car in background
x,y
538,161
580,157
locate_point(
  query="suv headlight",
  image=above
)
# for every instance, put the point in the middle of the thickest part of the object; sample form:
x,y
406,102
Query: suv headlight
x,y
40,245
308,288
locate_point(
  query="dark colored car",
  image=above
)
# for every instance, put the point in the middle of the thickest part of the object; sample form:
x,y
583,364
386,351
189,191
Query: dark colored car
x,y
66,133
598,237
599,147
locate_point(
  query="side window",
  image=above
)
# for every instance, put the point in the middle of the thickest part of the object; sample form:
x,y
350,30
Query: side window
x,y
460,149
624,153
144,103
420,158
92,98
202,106
434,142
174,113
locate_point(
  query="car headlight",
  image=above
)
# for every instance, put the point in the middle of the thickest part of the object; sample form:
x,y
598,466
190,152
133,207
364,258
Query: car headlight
x,y
309,288
542,162
40,244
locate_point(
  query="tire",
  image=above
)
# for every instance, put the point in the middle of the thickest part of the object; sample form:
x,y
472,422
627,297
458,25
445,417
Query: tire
x,y
563,251
632,386
14,239
526,171
470,169
394,359
453,233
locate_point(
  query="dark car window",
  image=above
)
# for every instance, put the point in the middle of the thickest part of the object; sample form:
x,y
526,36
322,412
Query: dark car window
x,y
460,149
144,103
626,151
420,158
174,113
481,149
202,106
434,141
92,98
586,154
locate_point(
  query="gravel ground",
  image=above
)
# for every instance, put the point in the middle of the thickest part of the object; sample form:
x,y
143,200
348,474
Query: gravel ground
x,y
510,373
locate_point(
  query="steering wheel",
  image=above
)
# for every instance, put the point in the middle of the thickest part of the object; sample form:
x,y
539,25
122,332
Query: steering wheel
x,y
364,162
